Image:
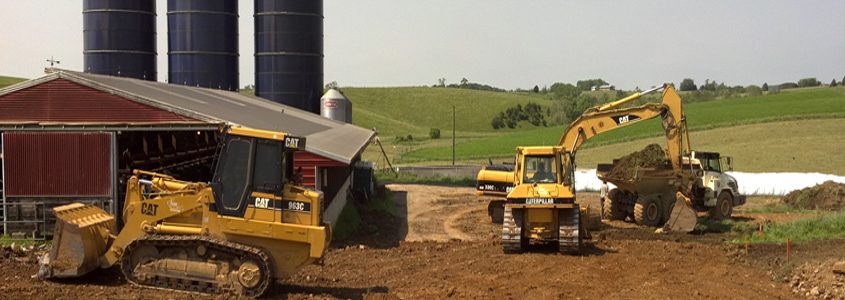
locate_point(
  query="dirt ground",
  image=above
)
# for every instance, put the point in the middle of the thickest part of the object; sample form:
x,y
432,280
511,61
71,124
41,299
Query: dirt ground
x,y
444,246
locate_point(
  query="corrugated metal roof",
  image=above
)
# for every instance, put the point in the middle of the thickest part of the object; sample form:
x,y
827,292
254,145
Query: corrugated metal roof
x,y
64,101
332,139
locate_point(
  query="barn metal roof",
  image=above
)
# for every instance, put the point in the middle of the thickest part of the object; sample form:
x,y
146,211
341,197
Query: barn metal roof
x,y
328,138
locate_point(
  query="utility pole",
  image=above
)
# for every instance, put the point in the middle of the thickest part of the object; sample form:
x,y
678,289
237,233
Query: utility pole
x,y
453,135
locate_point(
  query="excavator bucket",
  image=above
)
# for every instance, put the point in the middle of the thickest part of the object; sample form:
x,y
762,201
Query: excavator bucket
x,y
80,238
683,218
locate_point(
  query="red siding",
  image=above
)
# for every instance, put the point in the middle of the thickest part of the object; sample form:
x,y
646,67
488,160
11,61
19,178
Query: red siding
x,y
64,101
57,164
308,161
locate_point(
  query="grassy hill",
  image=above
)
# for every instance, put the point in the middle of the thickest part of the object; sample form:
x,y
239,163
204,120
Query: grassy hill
x,y
807,104
414,110
7,81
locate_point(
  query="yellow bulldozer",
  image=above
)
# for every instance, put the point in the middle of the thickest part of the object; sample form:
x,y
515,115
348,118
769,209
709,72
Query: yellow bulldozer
x,y
234,235
539,187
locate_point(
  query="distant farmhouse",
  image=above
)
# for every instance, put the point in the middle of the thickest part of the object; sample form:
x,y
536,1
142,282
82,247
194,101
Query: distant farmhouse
x,y
603,88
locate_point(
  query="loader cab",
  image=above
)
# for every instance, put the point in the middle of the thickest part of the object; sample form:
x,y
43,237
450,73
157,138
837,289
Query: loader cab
x,y
252,161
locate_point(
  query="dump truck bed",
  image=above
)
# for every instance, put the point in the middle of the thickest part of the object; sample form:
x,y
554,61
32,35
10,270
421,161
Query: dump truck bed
x,y
645,180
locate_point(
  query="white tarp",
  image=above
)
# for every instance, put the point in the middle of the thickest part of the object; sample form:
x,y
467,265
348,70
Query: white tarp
x,y
750,184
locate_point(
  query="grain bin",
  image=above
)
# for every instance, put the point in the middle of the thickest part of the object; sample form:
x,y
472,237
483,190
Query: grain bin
x,y
334,105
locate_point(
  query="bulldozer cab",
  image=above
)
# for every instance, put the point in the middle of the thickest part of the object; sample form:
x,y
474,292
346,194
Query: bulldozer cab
x,y
544,165
252,161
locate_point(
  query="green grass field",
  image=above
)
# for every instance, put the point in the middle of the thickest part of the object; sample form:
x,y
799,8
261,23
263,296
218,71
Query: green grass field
x,y
7,81
414,110
797,105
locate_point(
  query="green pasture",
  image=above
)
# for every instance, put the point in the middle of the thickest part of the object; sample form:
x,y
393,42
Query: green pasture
x,y
797,105
414,110
7,81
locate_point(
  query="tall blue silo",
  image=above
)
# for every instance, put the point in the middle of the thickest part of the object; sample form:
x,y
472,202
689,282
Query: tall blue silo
x,y
289,52
119,38
202,40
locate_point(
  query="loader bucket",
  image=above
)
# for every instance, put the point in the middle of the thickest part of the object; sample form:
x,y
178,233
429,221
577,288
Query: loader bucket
x,y
683,218
80,238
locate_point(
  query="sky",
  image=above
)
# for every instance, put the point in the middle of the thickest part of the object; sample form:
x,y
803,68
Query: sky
x,y
506,44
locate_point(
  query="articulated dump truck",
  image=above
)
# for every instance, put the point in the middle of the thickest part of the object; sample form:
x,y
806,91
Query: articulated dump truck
x,y
234,235
541,206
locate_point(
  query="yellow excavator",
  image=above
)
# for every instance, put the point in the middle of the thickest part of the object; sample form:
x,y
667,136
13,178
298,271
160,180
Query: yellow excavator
x,y
540,203
235,235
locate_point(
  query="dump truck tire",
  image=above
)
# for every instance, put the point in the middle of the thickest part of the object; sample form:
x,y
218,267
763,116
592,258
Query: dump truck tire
x,y
648,210
613,209
496,211
593,218
723,208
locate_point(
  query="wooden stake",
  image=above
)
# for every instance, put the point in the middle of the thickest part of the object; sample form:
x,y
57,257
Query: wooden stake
x,y
787,250
761,230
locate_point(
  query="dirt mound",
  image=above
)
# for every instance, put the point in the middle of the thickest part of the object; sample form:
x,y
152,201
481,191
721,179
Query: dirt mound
x,y
651,157
823,280
828,196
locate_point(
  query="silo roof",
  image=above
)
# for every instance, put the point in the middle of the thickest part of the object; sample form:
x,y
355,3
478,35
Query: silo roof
x,y
328,138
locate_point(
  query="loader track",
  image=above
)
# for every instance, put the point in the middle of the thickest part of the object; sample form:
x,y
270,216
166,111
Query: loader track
x,y
512,231
569,238
238,275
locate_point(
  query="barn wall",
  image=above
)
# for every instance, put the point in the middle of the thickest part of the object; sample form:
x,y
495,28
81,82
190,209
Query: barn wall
x,y
57,164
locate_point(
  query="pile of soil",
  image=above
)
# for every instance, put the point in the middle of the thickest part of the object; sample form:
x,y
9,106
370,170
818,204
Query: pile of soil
x,y
651,157
819,280
827,196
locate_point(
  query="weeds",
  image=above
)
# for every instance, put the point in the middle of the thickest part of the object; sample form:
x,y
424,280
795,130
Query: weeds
x,y
784,272
436,179
822,227
357,216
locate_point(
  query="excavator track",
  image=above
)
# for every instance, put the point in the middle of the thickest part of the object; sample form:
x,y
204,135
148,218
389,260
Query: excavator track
x,y
569,239
196,264
512,231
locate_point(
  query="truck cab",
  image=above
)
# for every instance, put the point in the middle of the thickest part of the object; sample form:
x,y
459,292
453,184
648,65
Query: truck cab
x,y
715,190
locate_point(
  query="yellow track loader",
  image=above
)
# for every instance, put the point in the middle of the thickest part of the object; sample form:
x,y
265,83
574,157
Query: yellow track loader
x,y
235,235
541,206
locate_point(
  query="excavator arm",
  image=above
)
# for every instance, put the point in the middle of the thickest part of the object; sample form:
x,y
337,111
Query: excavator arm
x,y
605,117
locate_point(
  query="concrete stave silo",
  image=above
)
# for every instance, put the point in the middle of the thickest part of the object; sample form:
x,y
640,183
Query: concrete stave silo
x,y
289,52
203,43
119,38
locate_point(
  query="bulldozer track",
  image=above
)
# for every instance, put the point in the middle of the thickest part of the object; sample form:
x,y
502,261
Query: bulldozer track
x,y
195,284
569,239
512,231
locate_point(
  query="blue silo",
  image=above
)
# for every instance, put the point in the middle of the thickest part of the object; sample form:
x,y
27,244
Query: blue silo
x,y
119,38
289,52
202,40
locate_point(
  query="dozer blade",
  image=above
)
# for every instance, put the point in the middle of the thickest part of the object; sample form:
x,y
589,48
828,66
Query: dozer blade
x,y
80,238
683,218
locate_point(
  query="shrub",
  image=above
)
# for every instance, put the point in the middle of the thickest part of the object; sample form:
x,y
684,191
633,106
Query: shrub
x,y
434,133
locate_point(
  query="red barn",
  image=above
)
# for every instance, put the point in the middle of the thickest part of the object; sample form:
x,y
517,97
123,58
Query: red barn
x,y
71,137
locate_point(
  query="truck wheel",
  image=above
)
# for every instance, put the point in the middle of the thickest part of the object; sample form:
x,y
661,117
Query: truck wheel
x,y
593,218
723,208
496,210
648,211
668,206
613,209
